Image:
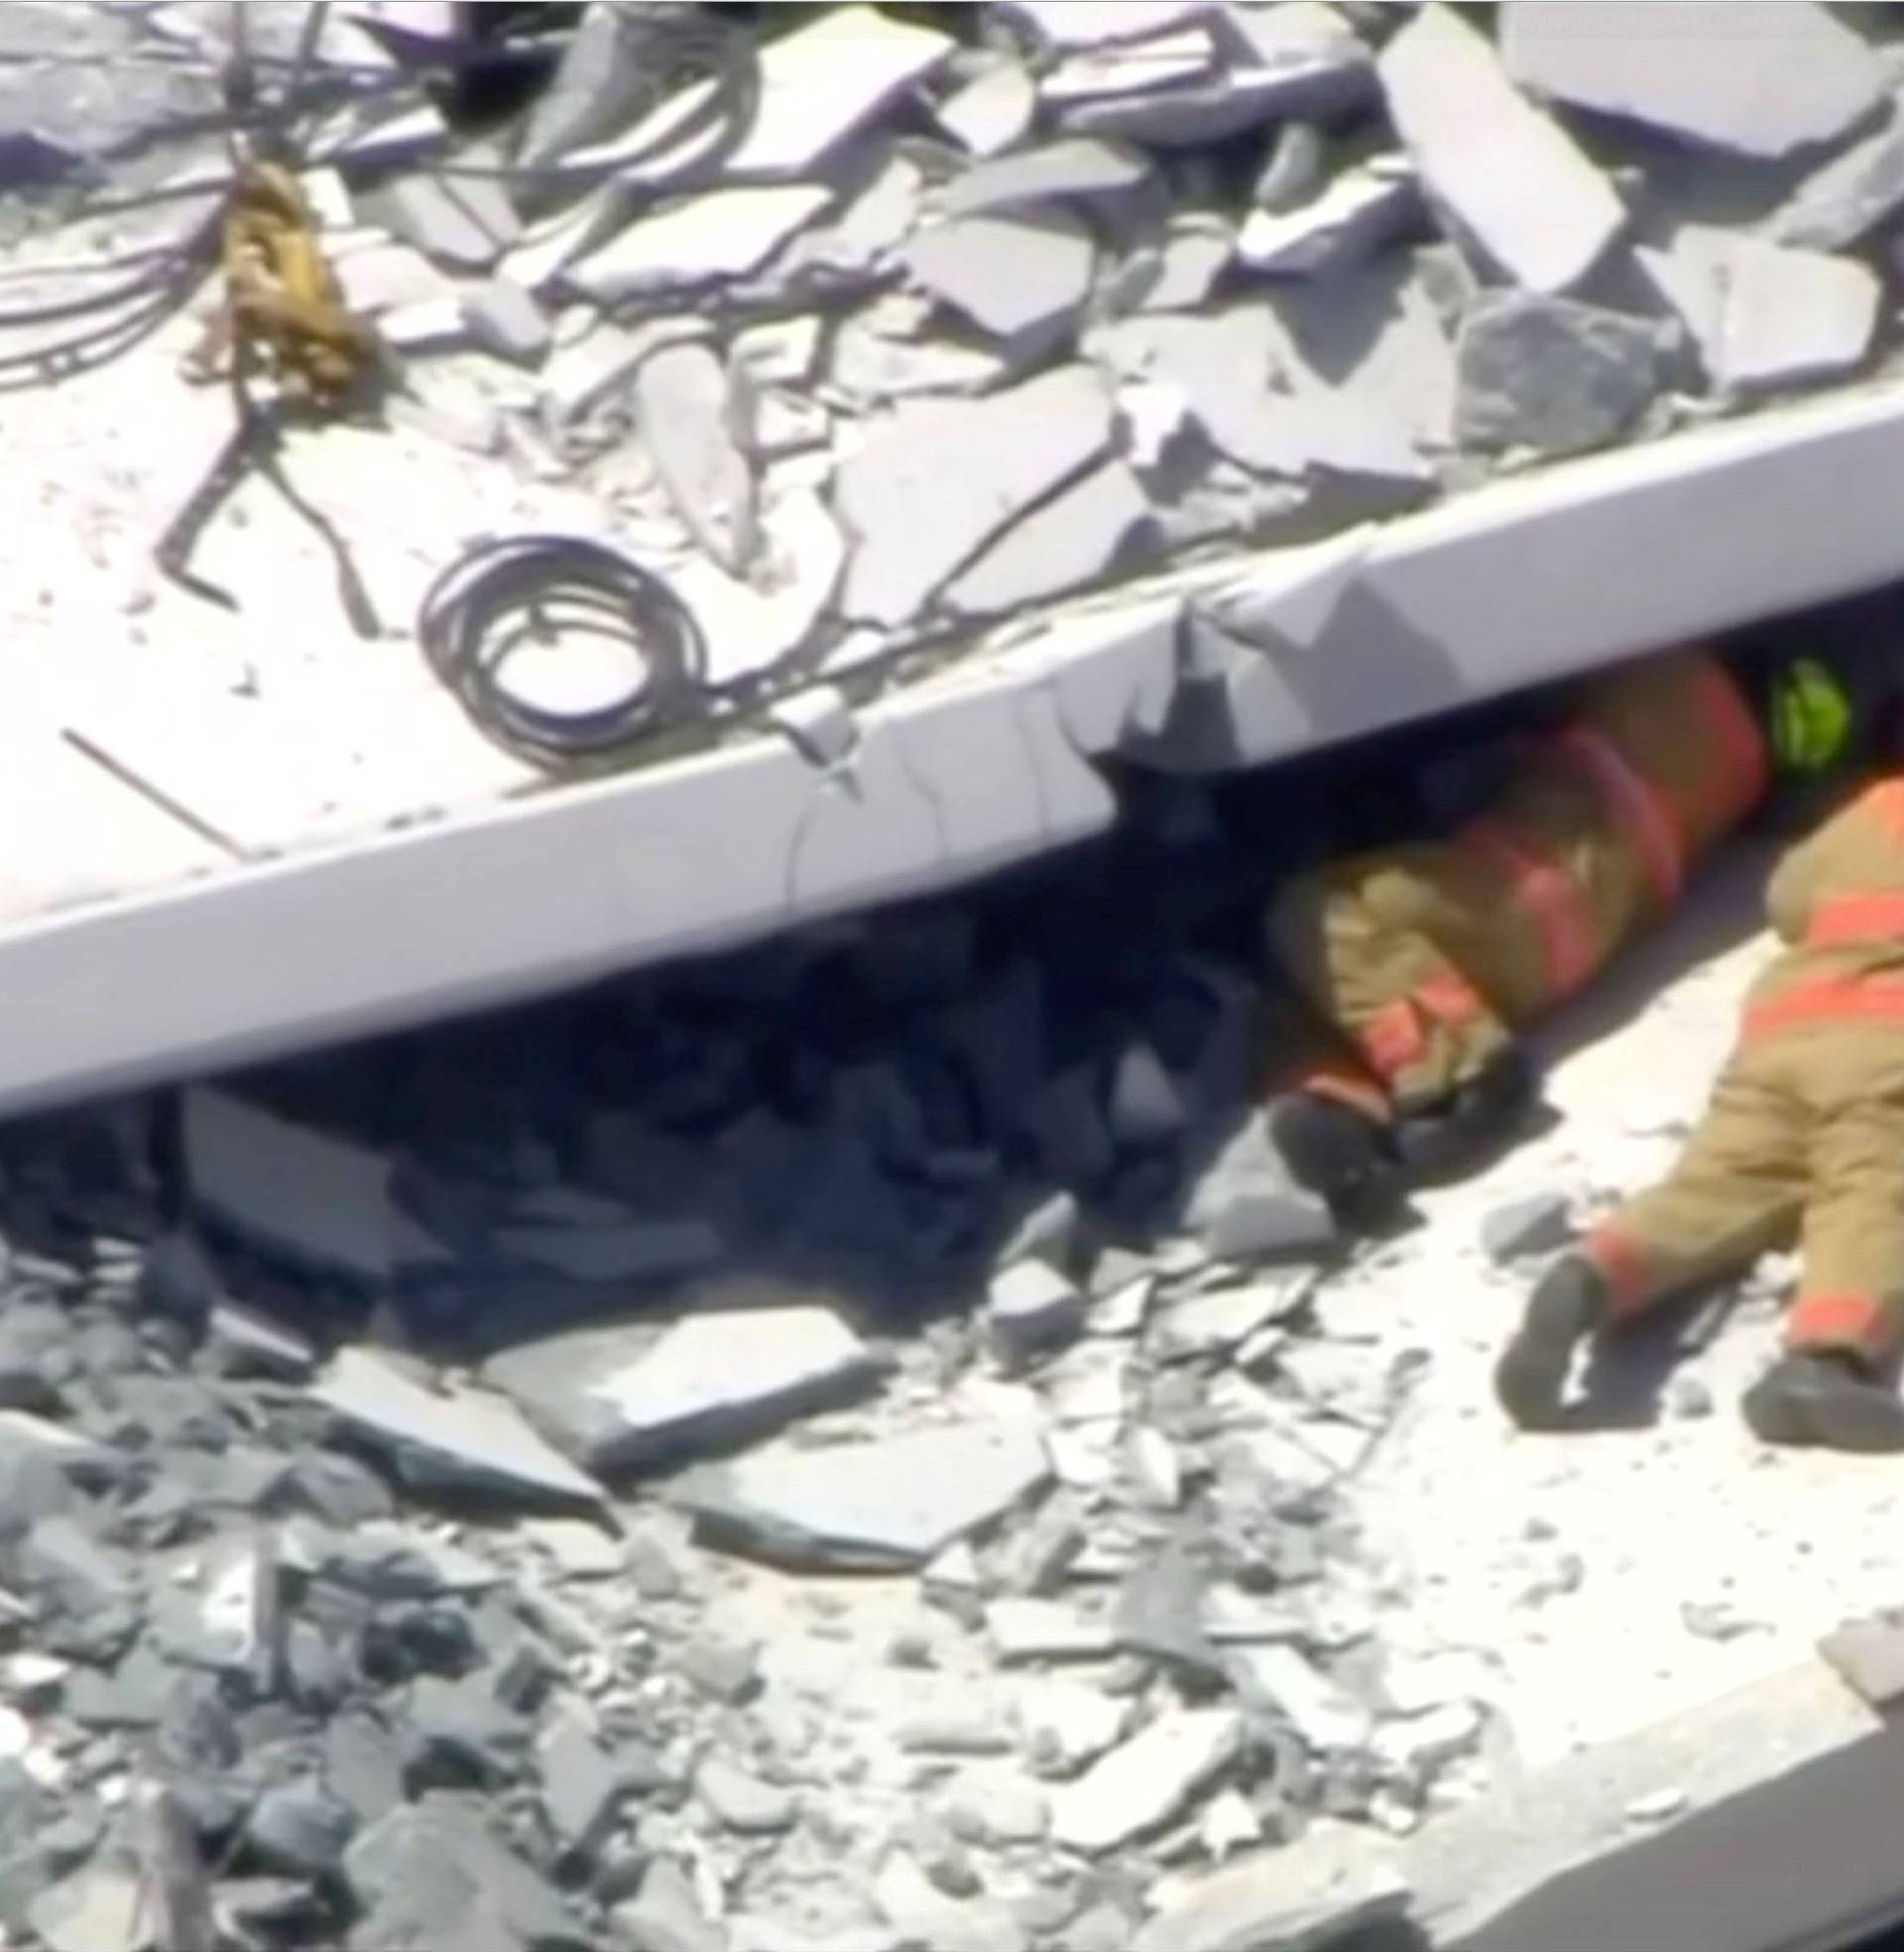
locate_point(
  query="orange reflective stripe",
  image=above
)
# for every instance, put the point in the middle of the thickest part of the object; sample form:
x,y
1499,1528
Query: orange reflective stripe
x,y
1876,998
1635,803
1451,999
1550,899
1345,1087
1885,802
1734,739
1622,1265
1391,1040
1876,918
1844,1319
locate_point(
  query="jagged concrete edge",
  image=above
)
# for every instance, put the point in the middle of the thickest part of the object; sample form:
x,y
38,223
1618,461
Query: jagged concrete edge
x,y
1544,575
1785,1841
962,774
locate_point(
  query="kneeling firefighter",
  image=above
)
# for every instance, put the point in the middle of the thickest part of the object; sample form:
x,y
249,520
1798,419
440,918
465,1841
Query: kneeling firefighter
x,y
1422,960
1803,1140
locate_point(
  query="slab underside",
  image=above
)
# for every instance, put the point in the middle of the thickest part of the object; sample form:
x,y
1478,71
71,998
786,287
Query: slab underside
x,y
240,834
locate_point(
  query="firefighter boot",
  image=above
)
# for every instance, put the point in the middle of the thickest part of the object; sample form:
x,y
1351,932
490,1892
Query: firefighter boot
x,y
1567,1305
1825,1397
1444,1139
1337,1154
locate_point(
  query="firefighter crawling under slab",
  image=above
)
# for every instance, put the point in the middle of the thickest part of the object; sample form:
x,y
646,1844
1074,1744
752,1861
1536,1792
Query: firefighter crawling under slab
x,y
1417,963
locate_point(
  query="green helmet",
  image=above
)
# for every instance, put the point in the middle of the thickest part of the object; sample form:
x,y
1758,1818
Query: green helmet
x,y
1809,718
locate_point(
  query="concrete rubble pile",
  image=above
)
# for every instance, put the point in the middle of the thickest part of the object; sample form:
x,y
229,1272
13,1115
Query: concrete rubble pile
x,y
964,323
815,1605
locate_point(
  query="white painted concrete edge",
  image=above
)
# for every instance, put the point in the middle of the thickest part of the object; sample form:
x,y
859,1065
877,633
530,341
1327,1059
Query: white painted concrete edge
x,y
991,762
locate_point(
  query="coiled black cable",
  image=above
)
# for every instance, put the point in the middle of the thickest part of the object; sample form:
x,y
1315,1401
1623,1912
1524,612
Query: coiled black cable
x,y
505,592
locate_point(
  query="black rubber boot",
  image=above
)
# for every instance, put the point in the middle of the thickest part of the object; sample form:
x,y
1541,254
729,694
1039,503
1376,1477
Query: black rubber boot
x,y
1828,1398
1444,1139
1567,1305
1335,1152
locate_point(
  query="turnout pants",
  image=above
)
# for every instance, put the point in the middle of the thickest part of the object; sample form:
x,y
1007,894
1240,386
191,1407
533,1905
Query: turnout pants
x,y
1802,1141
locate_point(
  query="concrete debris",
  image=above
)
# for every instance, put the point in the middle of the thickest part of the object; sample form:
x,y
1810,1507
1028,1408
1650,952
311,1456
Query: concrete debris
x,y
886,1503
756,623
1195,254
1022,278
1800,77
1868,1654
505,320
1145,1781
991,112
447,1435
1076,536
1279,1678
620,1399
1217,1323
1765,316
1032,1307
1844,200
1044,1630
685,412
1084,169
1551,375
697,240
1520,186
464,223
1130,67
922,497
1534,1224
1355,214
824,81
1244,1205
321,1201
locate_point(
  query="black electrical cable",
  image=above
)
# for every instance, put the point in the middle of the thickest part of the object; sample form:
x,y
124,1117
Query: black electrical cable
x,y
517,589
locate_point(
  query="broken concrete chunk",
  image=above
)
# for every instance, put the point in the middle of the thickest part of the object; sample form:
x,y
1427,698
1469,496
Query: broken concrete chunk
x,y
1520,186
1067,1725
1244,1203
1045,1630
450,1435
1308,1898
1082,532
1065,24
753,624
1318,61
742,1803
1534,1224
99,1909
1196,252
696,240
623,1399
992,113
1795,76
1081,168
1167,60
890,1502
1550,375
685,417
1022,278
601,77
822,81
1032,1307
1146,1781
926,493
1765,315
465,223
1215,1324
1147,1107
318,1199
1278,1678
1845,199
820,722
505,320
1869,1657
1355,214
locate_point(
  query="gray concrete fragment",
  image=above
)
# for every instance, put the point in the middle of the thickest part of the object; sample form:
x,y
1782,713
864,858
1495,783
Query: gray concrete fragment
x,y
1353,216
1244,1203
1550,375
1869,1656
925,494
622,1399
1082,532
992,113
455,1436
1145,1105
1310,1897
1022,278
1279,1678
590,1239
686,416
890,1502
665,1915
1143,1783
742,1803
697,240
820,723
448,218
599,80
824,81
1065,24
1196,252
1521,187
1847,199
1533,1224
1126,67
321,1200
1082,168
99,1909
505,320
1214,1324
1765,316
1792,76
582,1792
755,623
1032,1307
1293,174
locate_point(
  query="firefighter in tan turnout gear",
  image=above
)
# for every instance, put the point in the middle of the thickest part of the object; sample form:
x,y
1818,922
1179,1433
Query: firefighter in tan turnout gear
x,y
1424,958
1803,1140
